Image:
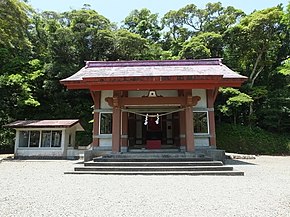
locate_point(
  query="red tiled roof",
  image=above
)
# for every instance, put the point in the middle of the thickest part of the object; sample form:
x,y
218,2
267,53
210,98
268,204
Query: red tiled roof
x,y
44,123
152,68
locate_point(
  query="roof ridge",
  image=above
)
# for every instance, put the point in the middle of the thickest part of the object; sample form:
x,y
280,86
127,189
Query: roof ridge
x,y
134,63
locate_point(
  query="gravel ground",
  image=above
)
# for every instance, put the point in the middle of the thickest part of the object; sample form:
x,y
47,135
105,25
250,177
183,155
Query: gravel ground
x,y
39,188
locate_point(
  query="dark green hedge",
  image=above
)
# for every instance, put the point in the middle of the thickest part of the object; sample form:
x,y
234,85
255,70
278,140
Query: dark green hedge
x,y
6,149
251,140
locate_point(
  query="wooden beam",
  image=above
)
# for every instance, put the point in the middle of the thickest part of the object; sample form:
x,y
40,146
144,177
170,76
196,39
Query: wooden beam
x,y
129,101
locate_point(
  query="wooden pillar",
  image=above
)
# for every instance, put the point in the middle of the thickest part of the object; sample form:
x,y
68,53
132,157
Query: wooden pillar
x,y
182,124
96,95
182,130
189,129
189,137
124,135
116,131
116,128
211,96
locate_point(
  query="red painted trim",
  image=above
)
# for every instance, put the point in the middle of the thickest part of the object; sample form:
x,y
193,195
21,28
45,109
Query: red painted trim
x,y
151,86
187,100
157,85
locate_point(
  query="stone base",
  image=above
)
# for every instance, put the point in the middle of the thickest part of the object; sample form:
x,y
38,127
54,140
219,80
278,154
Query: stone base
x,y
200,152
124,149
215,154
96,152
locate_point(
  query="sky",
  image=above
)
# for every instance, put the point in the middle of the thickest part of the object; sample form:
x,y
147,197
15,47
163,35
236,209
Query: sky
x,y
117,10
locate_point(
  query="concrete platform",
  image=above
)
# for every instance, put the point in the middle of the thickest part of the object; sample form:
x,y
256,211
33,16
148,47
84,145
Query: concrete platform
x,y
154,164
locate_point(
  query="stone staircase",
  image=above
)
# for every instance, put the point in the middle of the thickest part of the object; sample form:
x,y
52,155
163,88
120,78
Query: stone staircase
x,y
155,164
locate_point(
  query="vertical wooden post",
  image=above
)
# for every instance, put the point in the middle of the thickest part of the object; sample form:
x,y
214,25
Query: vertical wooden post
x,y
116,128
211,95
189,137
182,125
182,129
189,129
116,131
124,135
96,95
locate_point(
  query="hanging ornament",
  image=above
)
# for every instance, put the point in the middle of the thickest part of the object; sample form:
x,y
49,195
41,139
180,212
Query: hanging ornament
x,y
146,120
157,119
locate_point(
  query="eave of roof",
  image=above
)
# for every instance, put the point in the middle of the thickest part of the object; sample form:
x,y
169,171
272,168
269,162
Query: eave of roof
x,y
100,73
64,123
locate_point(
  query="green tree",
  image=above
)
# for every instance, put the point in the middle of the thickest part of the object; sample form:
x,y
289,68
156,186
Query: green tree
x,y
18,68
129,46
144,23
14,22
191,21
254,43
204,45
253,46
233,103
194,49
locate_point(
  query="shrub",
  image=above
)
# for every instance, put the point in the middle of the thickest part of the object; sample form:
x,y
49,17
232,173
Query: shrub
x,y
251,140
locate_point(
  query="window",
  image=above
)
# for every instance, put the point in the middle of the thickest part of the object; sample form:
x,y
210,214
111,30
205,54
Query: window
x,y
34,139
45,138
105,123
200,122
23,138
56,138
69,140
51,139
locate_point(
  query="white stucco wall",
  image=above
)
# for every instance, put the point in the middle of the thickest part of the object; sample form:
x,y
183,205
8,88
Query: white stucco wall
x,y
105,142
202,103
201,142
39,152
104,95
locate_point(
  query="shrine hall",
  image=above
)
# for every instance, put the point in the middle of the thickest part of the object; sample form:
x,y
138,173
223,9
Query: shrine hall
x,y
154,104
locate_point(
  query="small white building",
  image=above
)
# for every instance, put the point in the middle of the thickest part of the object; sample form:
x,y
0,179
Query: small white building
x,y
45,138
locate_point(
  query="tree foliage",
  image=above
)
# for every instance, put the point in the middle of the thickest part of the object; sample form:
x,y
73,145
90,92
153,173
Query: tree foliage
x,y
144,23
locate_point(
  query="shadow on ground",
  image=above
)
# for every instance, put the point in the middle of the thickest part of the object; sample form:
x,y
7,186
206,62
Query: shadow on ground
x,y
237,162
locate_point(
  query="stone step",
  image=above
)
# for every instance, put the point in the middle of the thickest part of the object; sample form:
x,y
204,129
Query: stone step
x,y
148,163
163,155
160,173
151,159
156,168
163,150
